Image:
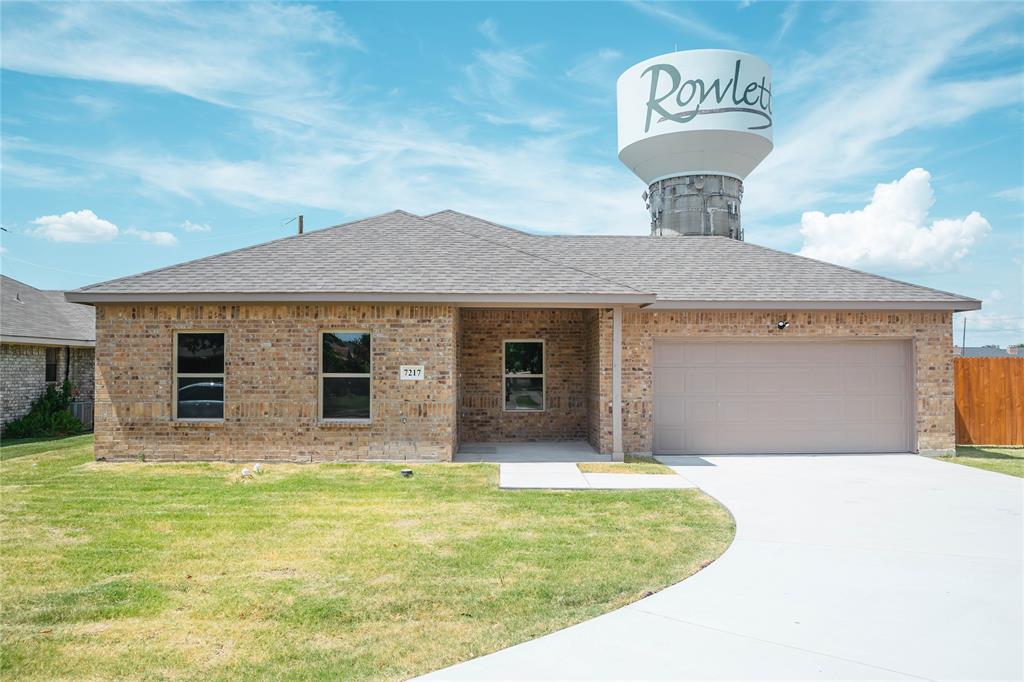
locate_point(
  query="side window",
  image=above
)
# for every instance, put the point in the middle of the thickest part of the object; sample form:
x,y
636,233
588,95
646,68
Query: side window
x,y
345,375
199,375
524,375
51,365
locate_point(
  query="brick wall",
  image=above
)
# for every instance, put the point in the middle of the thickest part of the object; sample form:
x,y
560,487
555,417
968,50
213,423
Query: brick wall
x,y
22,379
932,341
271,385
82,373
23,376
481,413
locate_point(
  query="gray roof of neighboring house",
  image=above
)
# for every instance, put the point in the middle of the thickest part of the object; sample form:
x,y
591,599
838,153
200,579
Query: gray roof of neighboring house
x,y
453,256
30,315
985,352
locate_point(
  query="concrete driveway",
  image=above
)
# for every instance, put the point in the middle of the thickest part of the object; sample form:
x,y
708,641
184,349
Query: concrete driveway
x,y
843,567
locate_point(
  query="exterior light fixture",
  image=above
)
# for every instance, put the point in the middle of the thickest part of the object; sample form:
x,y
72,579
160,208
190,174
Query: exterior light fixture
x,y
782,324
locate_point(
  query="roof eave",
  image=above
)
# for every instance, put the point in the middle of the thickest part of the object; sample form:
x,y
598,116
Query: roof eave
x,y
563,299
953,306
46,341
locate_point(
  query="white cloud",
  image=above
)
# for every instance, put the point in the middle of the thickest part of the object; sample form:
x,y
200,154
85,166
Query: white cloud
x,y
74,226
892,231
489,29
154,238
190,226
995,295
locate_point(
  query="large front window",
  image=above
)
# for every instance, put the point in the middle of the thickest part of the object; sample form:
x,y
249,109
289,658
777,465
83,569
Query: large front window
x,y
199,376
524,375
345,375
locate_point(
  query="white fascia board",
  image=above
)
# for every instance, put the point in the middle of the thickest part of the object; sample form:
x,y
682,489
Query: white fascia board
x,y
954,306
45,341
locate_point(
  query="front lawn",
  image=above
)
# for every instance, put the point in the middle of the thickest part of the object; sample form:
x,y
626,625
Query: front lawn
x,y
334,571
1003,460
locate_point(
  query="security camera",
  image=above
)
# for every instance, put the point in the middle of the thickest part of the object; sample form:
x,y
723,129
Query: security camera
x,y
782,324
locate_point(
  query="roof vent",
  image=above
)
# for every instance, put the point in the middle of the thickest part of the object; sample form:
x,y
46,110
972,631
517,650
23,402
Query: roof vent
x,y
693,125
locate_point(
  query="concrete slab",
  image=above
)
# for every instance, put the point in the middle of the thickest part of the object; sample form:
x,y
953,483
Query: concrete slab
x,y
843,567
637,482
548,451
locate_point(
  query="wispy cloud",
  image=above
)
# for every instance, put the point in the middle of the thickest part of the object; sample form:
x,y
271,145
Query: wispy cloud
x,y
599,68
789,16
190,226
842,108
685,21
157,238
1011,194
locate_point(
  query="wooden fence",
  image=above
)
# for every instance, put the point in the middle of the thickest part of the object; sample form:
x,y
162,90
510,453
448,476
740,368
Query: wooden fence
x,y
989,401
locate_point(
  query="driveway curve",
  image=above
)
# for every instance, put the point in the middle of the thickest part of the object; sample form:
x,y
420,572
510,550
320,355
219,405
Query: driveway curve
x,y
843,567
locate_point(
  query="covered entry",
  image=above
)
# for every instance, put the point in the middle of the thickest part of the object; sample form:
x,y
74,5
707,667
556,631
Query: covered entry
x,y
732,396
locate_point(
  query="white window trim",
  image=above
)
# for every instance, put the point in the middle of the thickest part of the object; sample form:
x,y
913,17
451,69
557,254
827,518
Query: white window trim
x,y
201,375
505,375
321,375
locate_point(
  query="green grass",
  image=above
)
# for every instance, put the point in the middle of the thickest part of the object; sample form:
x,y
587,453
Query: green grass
x,y
185,571
1002,460
633,464
18,447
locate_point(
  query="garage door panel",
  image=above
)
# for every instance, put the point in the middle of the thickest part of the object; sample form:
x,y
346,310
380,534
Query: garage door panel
x,y
670,381
700,381
698,411
781,397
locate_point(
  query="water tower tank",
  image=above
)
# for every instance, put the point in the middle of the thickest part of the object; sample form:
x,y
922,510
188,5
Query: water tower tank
x,y
692,125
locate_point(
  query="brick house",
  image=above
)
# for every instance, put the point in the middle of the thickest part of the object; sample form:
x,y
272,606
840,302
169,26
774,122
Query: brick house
x,y
407,337
44,340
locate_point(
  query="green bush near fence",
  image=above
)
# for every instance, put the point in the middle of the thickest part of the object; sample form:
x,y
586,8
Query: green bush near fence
x,y
50,416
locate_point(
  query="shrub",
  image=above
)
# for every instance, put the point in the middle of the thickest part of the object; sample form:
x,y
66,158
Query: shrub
x,y
50,416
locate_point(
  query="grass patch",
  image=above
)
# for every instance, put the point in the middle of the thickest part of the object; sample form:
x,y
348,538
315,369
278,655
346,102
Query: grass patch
x,y
1001,460
633,464
19,447
333,571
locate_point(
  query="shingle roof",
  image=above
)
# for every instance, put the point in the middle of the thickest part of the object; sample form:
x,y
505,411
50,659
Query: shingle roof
x,y
708,268
393,253
451,255
30,314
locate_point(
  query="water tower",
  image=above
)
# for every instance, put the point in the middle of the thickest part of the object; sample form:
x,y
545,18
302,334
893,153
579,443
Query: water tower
x,y
692,125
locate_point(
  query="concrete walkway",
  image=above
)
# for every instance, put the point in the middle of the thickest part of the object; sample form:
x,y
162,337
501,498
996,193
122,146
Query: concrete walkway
x,y
843,567
567,476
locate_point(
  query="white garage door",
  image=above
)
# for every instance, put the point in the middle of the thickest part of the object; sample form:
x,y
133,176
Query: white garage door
x,y
785,396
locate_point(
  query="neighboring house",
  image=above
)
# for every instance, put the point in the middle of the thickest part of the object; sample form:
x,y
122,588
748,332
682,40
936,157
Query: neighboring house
x,y
44,340
986,352
403,336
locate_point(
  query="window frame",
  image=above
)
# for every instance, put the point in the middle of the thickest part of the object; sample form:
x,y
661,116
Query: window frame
x,y
542,376
321,375
46,364
194,375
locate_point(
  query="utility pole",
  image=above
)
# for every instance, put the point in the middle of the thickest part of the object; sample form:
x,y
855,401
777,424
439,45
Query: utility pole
x,y
300,223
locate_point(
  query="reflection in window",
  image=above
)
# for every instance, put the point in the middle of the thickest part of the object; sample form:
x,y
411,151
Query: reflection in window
x,y
199,375
524,375
345,375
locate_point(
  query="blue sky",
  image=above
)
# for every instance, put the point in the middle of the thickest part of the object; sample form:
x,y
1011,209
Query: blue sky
x,y
141,135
